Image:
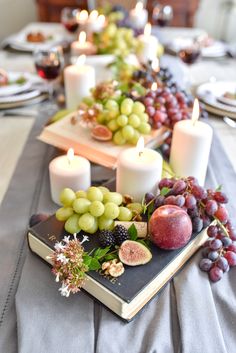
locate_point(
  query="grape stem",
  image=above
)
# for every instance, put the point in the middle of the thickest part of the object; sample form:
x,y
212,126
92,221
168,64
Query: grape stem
x,y
222,227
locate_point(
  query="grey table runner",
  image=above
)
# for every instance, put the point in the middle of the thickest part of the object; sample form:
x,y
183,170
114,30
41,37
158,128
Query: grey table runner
x,y
191,315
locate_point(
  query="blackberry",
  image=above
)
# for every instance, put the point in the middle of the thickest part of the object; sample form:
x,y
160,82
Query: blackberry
x,y
106,238
121,234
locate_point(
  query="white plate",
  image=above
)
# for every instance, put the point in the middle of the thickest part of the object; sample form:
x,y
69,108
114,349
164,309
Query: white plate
x,y
211,94
14,88
56,30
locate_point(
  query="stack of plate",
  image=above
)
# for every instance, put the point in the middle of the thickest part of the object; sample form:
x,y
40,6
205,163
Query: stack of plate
x,y
212,94
17,94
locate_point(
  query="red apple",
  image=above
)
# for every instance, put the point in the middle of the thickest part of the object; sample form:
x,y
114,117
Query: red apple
x,y
170,227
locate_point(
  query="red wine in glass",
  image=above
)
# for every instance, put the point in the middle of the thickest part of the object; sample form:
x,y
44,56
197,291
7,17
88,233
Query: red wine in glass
x,y
162,22
71,26
189,55
48,71
69,19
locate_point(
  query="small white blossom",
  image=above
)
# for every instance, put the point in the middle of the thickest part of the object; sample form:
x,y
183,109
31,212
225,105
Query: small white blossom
x,y
57,277
66,239
85,238
62,259
75,236
65,292
59,246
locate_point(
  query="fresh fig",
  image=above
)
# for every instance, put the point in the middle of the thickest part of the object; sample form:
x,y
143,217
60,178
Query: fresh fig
x,y
133,253
101,133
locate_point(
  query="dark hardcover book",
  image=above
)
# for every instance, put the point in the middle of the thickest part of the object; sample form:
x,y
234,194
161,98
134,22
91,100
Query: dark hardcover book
x,y
127,294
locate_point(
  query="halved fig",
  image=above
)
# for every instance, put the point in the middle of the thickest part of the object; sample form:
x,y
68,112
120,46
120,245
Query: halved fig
x,y
101,133
133,253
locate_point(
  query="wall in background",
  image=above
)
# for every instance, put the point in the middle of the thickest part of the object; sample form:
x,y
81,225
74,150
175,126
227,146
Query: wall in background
x,y
15,14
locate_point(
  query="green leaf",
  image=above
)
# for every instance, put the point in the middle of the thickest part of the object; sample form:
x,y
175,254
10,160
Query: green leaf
x,y
110,257
150,210
164,191
87,259
133,234
94,265
219,188
145,243
99,253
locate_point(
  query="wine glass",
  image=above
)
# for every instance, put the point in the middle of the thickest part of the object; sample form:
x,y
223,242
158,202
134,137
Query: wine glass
x,y
189,53
48,64
69,19
162,15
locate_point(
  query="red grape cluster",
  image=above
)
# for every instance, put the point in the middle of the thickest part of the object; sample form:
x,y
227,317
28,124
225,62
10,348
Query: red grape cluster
x,y
203,207
219,252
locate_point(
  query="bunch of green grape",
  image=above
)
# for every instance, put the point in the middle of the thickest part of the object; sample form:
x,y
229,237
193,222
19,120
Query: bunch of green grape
x,y
126,120
94,209
117,41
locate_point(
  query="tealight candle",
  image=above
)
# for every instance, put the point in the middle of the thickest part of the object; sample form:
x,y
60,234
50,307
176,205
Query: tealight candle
x,y
79,79
82,46
138,16
149,45
139,170
68,172
190,148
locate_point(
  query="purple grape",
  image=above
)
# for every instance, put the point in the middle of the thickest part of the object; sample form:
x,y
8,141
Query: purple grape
x,y
232,247
213,255
222,263
190,201
215,244
179,186
149,197
159,201
205,252
206,221
220,197
226,241
231,257
179,200
170,200
205,265
193,212
212,231
211,207
215,274
199,192
197,224
165,183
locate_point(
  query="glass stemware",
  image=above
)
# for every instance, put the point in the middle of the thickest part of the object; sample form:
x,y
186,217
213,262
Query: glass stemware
x,y
48,64
189,54
69,18
162,15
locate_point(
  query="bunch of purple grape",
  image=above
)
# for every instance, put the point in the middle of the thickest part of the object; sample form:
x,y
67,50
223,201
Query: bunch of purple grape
x,y
203,207
219,253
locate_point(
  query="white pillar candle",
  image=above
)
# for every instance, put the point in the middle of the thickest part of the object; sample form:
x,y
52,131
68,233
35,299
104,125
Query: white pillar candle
x,y
82,46
79,79
68,172
138,16
149,45
190,148
139,170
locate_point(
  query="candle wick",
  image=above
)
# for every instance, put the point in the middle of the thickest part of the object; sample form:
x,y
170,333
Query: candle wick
x,y
140,153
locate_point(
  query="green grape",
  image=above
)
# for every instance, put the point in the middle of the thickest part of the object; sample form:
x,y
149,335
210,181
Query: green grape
x,y
111,210
101,118
128,132
81,205
111,30
144,117
138,108
118,138
81,193
72,224
126,106
125,214
113,125
134,120
103,189
96,208
122,120
135,207
113,197
64,213
112,105
105,223
86,222
135,137
94,194
67,196
94,228
144,128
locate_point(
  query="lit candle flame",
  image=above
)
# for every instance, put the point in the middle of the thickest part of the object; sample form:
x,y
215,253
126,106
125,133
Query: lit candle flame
x,y
81,60
82,37
101,19
140,146
139,6
93,15
148,29
195,113
70,155
83,16
154,86
155,65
